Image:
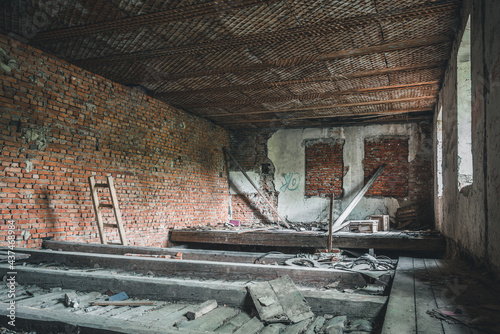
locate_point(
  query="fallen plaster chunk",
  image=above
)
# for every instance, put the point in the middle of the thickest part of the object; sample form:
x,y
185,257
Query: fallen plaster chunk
x,y
279,300
202,309
71,300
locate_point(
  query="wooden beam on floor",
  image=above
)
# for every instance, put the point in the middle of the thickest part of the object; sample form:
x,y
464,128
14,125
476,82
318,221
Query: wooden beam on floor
x,y
381,241
202,269
187,254
232,294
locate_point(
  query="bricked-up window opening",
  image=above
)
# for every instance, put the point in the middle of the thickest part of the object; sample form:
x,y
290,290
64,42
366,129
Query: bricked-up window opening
x,y
464,111
393,152
324,167
439,152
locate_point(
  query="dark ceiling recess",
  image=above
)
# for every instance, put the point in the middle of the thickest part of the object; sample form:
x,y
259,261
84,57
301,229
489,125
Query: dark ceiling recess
x,y
246,64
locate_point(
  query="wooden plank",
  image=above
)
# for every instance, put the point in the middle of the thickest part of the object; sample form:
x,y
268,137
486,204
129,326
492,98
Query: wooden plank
x,y
203,269
212,320
97,209
311,240
400,315
133,313
124,303
279,300
234,323
27,318
163,311
266,302
187,254
424,300
200,310
294,304
45,297
116,210
252,326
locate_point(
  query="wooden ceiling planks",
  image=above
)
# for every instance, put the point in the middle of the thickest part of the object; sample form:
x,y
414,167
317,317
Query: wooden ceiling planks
x,y
260,63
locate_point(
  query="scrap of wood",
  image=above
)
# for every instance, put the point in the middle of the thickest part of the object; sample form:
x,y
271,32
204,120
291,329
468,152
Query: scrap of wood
x,y
201,310
124,303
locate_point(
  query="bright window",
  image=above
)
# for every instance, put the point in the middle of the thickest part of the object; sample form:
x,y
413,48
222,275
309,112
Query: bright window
x,y
464,111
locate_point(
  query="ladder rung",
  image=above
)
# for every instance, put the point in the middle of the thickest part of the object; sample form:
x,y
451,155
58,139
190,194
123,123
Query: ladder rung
x,y
110,225
101,185
102,205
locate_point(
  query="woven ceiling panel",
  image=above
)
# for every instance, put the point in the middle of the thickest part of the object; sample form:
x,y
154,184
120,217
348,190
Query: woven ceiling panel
x,y
256,63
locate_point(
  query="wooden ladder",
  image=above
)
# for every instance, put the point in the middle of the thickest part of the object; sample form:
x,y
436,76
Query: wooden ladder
x,y
98,206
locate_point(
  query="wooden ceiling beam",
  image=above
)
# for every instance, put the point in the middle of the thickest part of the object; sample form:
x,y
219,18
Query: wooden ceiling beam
x,y
318,29
342,105
308,59
387,112
361,74
152,19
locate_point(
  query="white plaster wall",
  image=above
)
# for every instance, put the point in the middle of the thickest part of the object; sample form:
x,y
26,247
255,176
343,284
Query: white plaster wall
x,y
287,152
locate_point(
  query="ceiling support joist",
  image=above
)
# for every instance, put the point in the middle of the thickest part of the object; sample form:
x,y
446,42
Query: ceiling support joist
x,y
316,96
318,29
361,74
281,120
153,19
308,59
341,105
316,79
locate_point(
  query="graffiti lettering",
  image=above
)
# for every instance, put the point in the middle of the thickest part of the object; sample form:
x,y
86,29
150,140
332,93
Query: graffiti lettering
x,y
291,182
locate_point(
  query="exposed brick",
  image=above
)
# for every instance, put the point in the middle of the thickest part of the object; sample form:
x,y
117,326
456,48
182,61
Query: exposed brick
x,y
166,163
393,152
324,168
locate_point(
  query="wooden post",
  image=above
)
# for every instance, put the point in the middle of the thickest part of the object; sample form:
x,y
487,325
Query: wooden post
x,y
255,186
330,225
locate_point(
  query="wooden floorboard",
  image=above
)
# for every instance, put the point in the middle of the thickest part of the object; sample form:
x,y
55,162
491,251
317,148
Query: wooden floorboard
x,y
384,241
424,301
400,315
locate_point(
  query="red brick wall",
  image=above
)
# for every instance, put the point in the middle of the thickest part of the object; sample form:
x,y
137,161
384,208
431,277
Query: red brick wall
x,y
168,166
393,152
324,168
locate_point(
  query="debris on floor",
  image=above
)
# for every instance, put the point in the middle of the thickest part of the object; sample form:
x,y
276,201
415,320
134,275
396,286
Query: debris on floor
x,y
279,300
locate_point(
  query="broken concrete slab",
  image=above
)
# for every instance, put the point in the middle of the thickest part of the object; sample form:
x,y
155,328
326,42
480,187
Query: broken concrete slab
x,y
279,300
